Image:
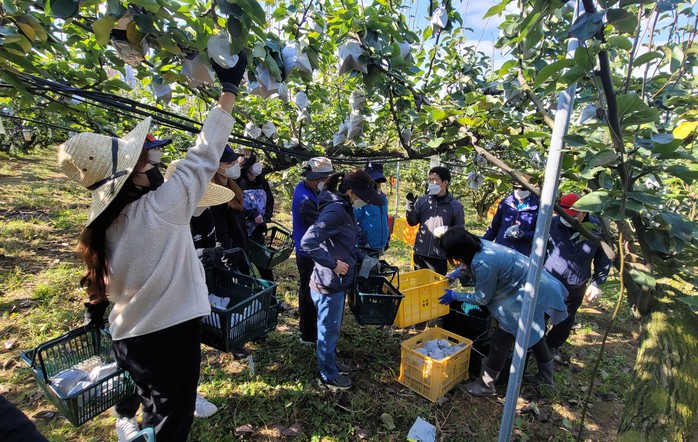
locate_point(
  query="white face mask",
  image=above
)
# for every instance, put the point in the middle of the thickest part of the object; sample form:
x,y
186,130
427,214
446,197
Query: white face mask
x,y
256,169
358,203
521,194
199,211
564,222
154,156
433,189
321,186
233,172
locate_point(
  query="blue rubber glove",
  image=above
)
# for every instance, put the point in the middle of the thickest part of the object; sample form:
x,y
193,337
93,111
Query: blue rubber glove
x,y
448,297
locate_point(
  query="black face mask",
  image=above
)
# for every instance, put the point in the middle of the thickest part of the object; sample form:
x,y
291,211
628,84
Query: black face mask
x,y
155,177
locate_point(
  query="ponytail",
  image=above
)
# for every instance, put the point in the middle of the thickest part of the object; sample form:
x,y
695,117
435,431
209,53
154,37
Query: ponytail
x,y
333,182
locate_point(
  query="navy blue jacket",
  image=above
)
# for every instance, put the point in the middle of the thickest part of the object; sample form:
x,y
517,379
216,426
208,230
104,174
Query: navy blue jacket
x,y
304,210
431,212
373,223
332,237
569,255
506,216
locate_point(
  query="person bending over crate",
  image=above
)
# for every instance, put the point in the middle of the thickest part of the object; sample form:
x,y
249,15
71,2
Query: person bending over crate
x,y
330,242
151,273
500,274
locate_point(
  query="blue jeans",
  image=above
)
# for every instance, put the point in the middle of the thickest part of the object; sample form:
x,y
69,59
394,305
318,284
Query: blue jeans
x,y
330,309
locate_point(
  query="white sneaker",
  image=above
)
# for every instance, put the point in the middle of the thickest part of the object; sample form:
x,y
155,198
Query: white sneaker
x,y
126,428
204,408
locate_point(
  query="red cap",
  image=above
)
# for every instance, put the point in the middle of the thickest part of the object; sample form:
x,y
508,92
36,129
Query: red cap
x,y
568,201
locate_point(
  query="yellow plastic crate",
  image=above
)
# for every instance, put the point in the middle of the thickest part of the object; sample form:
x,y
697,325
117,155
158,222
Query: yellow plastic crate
x,y
429,377
422,289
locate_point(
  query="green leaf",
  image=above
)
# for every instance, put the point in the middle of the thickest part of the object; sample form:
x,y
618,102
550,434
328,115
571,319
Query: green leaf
x,y
437,114
692,301
496,9
62,8
681,227
620,42
622,19
145,23
575,140
102,29
647,57
254,10
685,129
115,8
634,2
169,45
587,25
550,70
603,158
9,7
436,142
659,241
646,198
593,202
632,110
150,5
683,172
643,278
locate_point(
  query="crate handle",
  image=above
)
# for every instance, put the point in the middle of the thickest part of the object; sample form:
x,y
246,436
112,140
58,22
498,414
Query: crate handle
x,y
237,250
39,349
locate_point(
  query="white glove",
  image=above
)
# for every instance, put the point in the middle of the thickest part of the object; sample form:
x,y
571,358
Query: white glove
x,y
593,293
439,231
513,232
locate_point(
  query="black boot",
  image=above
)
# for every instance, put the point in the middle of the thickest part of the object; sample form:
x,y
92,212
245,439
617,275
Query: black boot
x,y
544,375
484,385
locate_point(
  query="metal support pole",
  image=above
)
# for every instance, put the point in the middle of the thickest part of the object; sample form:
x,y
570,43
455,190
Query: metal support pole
x,y
397,187
565,104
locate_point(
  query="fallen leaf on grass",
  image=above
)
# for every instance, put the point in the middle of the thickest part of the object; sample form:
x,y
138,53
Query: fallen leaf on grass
x,y
293,431
442,400
8,363
388,421
244,430
9,344
4,389
45,414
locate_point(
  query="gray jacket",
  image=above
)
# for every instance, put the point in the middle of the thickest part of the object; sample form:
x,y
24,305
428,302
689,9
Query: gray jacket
x,y
430,212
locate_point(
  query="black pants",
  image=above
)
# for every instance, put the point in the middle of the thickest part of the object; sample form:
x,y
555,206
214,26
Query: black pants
x,y
165,366
306,306
15,426
560,332
437,265
501,345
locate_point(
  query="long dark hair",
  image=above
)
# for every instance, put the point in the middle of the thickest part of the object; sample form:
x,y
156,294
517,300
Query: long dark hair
x,y
335,183
460,245
92,241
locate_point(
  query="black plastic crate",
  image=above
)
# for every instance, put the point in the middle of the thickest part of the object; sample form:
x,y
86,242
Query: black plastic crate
x,y
275,247
80,348
472,326
272,315
245,317
374,301
388,271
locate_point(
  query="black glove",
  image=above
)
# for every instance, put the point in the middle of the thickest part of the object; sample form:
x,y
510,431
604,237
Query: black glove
x,y
212,257
230,78
410,197
94,313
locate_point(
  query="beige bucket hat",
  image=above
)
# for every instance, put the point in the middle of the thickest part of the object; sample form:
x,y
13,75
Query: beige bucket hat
x,y
214,194
102,163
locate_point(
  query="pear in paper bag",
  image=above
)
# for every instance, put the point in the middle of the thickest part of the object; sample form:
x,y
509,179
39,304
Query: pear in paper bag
x,y
295,59
349,54
357,100
439,20
301,100
197,72
219,50
268,129
252,130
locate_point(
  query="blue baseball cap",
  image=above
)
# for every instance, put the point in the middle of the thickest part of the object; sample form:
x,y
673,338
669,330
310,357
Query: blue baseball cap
x,y
151,142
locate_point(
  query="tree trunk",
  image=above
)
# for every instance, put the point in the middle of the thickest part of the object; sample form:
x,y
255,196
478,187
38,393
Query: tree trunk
x,y
662,403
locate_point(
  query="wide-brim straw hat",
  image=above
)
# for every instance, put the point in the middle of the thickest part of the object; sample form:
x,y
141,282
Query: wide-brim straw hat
x,y
214,194
102,163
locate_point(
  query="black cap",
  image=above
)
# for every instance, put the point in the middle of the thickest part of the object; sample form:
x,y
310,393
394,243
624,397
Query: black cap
x,y
363,186
228,155
375,171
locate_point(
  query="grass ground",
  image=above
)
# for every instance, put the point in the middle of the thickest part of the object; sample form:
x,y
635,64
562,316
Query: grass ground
x,y
276,397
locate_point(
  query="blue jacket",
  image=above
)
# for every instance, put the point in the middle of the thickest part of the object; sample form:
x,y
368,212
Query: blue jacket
x,y
304,210
373,223
569,255
506,216
332,237
430,212
500,275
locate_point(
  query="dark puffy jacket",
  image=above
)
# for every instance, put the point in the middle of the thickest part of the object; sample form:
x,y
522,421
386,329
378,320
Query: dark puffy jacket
x,y
430,212
569,257
506,216
332,237
373,223
304,210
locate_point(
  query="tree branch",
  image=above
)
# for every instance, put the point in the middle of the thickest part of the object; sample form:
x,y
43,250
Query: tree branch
x,y
532,96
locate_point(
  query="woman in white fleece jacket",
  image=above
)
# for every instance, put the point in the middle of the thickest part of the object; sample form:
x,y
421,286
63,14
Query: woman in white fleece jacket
x,y
138,252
